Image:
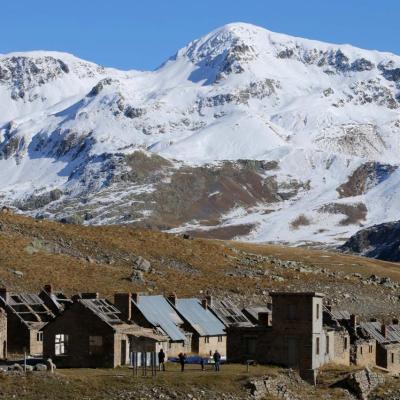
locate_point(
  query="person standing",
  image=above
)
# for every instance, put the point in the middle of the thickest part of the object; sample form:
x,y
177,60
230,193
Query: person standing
x,y
161,360
217,360
182,360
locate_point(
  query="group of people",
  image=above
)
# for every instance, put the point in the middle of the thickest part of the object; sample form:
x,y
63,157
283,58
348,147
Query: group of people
x,y
183,358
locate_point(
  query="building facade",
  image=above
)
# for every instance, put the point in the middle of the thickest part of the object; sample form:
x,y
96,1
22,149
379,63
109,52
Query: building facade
x,y
91,334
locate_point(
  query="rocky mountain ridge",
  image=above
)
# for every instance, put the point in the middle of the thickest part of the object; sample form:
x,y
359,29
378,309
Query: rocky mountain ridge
x,y
243,133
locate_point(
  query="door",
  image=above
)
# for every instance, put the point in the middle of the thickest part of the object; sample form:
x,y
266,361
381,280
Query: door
x,y
292,352
123,352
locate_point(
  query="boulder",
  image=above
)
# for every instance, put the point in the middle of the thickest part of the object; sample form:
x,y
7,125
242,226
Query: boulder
x,y
142,264
16,367
40,367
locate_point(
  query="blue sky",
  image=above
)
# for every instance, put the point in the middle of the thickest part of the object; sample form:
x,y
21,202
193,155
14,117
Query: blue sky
x,y
137,34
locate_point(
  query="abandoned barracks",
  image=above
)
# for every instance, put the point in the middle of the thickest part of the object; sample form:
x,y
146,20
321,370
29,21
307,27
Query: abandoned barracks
x,y
297,330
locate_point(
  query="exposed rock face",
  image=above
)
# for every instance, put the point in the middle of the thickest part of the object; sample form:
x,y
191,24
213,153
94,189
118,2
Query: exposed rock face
x,y
362,383
378,241
364,177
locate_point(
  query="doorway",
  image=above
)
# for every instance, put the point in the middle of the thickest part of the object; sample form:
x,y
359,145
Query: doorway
x,y
123,352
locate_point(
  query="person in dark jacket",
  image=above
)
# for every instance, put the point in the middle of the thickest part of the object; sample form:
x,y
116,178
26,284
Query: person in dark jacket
x,y
217,360
182,360
161,360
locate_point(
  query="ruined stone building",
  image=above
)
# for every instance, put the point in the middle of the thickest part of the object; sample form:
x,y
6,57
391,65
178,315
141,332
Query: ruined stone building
x,y
26,316
56,301
386,346
208,332
155,312
294,337
91,333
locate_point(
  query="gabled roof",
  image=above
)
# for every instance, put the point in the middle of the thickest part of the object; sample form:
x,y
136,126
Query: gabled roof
x,y
159,313
203,321
373,330
29,308
228,313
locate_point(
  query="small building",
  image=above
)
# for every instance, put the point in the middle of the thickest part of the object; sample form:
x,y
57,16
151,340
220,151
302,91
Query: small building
x,y
227,312
208,331
26,316
3,334
56,301
155,312
91,334
387,338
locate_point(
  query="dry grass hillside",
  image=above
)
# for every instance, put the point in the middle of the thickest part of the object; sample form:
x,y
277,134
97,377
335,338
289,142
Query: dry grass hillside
x,y
101,258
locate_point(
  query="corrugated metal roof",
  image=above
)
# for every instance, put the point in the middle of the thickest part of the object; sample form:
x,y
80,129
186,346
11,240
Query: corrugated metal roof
x,y
373,329
160,313
340,314
203,321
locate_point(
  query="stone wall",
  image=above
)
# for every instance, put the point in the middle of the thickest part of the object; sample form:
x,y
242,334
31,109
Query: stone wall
x,y
3,334
341,348
388,356
79,323
365,353
208,344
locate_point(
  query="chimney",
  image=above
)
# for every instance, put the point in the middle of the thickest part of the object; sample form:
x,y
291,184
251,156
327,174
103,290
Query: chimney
x,y
204,303
123,301
384,330
265,318
395,321
172,298
135,297
48,288
4,294
210,300
353,321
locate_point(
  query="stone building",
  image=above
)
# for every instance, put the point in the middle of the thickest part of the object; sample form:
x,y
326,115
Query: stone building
x,y
91,334
56,301
364,353
294,337
26,317
3,334
387,339
155,312
208,332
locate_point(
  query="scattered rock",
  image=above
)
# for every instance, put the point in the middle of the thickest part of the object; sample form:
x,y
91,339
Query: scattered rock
x,y
361,383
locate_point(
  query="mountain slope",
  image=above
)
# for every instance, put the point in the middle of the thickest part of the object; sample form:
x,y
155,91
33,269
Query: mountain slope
x,y
244,132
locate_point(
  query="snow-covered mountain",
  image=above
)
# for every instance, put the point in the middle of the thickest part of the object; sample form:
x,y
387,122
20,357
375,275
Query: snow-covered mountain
x,y
243,133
